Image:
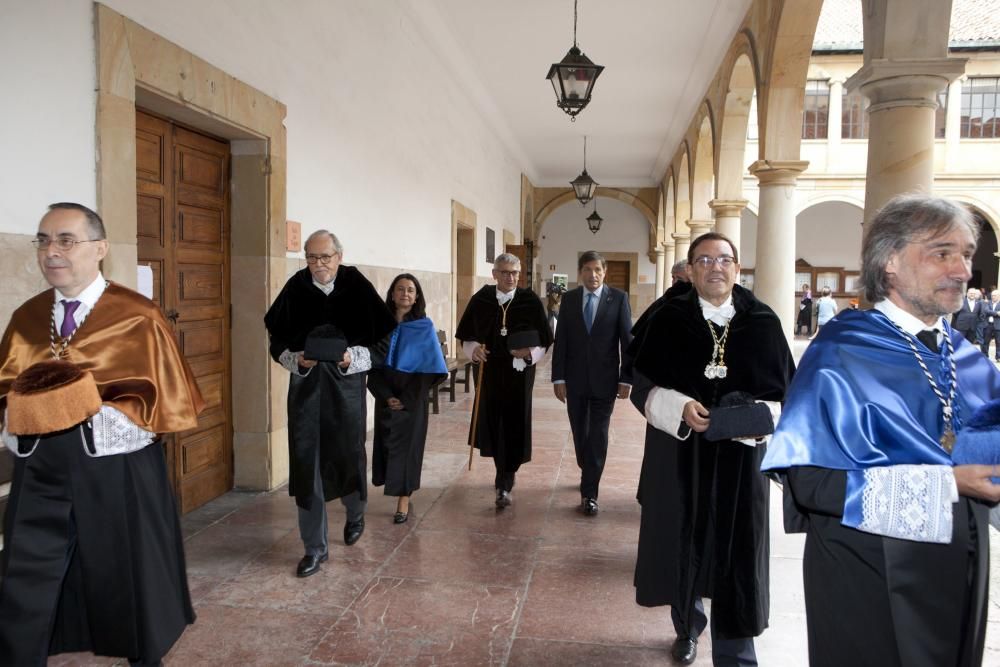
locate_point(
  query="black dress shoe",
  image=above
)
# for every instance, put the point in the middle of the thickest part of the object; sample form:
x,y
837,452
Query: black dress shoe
x,y
309,565
353,530
684,651
503,498
590,506
400,517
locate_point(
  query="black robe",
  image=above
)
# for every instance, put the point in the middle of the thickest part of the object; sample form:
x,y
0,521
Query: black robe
x,y
503,430
327,409
400,435
704,525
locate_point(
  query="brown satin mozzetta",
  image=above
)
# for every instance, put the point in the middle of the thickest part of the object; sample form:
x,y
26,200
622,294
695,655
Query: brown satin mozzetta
x,y
125,344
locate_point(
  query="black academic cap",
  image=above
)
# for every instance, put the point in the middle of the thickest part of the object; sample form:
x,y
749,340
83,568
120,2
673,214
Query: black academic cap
x,y
519,339
325,343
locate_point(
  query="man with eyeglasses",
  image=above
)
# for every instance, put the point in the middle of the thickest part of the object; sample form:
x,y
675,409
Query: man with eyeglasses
x,y
335,310
90,375
704,525
504,327
896,563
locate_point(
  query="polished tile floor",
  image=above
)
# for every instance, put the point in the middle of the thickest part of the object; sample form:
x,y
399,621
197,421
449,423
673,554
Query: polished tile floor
x,y
461,583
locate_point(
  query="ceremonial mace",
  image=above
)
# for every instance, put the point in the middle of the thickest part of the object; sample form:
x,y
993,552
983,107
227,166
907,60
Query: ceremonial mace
x,y
475,408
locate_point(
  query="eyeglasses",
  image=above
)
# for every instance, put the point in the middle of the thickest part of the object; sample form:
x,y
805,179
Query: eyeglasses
x,y
706,262
322,259
509,274
64,243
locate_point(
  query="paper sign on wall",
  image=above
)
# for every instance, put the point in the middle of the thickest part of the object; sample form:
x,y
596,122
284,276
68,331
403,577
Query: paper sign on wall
x,y
144,281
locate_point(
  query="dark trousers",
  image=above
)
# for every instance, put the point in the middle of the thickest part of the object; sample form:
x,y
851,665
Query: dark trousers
x,y
991,333
312,521
589,419
504,480
725,652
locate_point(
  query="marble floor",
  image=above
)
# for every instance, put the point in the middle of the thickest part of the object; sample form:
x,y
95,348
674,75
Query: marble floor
x,y
461,583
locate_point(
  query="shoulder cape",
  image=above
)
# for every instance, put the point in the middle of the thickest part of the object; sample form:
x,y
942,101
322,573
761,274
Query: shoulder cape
x,y
482,317
676,345
354,307
127,346
860,399
414,348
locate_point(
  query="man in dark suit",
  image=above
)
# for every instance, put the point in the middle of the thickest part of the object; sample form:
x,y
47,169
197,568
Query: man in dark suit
x,y
966,320
590,367
991,329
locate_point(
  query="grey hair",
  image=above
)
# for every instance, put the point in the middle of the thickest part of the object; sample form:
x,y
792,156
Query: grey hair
x,y
322,232
95,226
679,268
507,258
904,220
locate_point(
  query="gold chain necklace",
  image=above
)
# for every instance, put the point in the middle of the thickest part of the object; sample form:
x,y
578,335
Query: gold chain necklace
x,y
503,308
716,368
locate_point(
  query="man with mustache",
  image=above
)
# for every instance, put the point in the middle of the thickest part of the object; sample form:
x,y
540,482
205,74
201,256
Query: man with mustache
x,y
896,560
93,556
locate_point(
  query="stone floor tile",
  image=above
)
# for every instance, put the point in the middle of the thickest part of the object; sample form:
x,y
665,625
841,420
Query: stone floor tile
x,y
601,608
249,637
534,652
458,556
222,550
411,622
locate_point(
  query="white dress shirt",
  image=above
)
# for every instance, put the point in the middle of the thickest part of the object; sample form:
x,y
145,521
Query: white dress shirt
x,y
87,298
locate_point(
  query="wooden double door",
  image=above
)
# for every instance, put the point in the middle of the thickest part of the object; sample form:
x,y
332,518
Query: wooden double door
x,y
182,182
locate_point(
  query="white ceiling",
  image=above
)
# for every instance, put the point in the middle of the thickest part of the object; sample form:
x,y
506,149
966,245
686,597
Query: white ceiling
x,y
659,57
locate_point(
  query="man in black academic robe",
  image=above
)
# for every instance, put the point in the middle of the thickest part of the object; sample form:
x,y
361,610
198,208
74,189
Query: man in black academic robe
x,y
496,315
326,398
704,525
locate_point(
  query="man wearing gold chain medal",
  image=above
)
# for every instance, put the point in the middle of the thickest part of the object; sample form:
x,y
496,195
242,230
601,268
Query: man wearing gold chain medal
x,y
704,526
93,556
504,327
896,561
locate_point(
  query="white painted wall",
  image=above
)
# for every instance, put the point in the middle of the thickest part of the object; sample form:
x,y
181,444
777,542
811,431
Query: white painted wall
x,y
564,235
381,137
829,234
47,75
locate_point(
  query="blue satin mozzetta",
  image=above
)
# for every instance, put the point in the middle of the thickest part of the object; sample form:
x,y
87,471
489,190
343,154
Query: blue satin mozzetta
x,y
414,348
860,400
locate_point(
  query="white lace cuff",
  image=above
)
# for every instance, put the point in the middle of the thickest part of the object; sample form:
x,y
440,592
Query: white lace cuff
x,y
290,360
114,433
910,502
664,411
361,360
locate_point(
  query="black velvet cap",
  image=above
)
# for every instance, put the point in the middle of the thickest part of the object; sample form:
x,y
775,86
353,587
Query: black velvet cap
x,y
325,343
518,339
738,415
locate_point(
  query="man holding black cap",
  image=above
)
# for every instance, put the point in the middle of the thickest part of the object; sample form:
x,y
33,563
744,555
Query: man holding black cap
x,y
704,526
327,328
504,327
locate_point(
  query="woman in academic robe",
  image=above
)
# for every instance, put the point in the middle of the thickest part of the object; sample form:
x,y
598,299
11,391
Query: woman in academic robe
x,y
804,319
414,364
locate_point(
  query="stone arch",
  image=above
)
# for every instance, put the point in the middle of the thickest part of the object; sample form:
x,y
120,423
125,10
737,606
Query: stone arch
x,y
703,171
670,208
612,193
733,127
826,197
682,193
780,102
828,232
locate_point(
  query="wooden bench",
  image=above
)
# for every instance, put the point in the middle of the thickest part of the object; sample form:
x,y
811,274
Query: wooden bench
x,y
447,385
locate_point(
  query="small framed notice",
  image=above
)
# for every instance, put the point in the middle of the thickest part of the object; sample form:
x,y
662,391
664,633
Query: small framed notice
x,y
293,236
491,245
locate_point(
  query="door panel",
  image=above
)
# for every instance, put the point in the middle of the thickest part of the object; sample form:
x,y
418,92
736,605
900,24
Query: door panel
x,y
183,236
617,274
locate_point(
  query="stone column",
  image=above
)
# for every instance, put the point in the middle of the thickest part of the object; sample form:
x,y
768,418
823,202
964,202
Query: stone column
x,y
728,218
681,243
660,259
699,227
834,123
953,124
903,96
774,274
669,259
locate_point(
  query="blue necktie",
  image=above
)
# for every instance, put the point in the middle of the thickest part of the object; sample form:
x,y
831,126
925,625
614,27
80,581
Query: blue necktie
x,y
588,311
